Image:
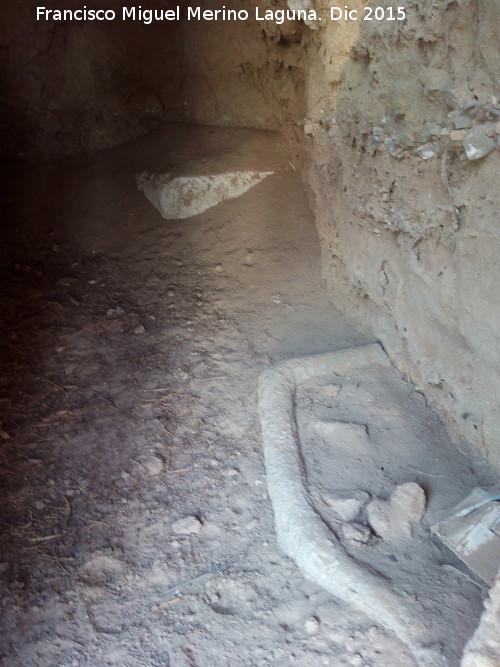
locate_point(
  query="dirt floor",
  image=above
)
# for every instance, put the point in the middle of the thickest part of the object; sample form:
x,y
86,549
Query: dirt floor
x,y
136,526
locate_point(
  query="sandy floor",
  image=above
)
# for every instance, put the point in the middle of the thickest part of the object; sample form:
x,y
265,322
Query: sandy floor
x,y
131,353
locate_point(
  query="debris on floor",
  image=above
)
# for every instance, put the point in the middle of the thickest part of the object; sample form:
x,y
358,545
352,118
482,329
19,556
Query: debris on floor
x,y
472,531
178,197
324,451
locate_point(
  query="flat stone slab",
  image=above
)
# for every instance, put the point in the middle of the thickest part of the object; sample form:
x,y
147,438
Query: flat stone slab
x,y
179,197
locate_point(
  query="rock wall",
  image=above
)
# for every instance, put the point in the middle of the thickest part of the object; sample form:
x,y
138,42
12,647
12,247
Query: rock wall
x,y
246,74
401,140
72,87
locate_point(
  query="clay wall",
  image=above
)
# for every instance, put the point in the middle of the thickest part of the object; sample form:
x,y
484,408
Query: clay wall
x,y
401,139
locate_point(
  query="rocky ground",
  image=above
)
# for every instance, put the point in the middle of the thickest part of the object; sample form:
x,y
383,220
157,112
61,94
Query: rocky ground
x,y
136,525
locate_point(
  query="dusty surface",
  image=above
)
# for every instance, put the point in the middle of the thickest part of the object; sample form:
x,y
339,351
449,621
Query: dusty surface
x,y
136,527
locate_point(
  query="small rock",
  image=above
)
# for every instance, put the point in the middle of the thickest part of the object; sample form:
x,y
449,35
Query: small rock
x,y
218,268
490,129
100,569
427,151
497,127
311,625
106,618
139,330
189,525
211,532
249,259
395,517
458,135
170,292
459,97
357,532
461,121
477,145
331,390
56,247
153,464
346,508
393,148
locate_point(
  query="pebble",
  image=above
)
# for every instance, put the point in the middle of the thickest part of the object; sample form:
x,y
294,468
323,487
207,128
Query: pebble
x,y
106,618
139,329
211,531
311,625
458,135
153,464
331,390
461,121
477,145
346,508
406,507
100,570
357,532
189,525
170,292
427,151
218,268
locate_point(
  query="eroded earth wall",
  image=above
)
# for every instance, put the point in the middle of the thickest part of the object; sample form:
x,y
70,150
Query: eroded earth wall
x,y
401,138
74,86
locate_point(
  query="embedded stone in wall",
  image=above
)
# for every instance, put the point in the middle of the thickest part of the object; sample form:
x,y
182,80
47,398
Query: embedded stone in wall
x,y
478,145
181,197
